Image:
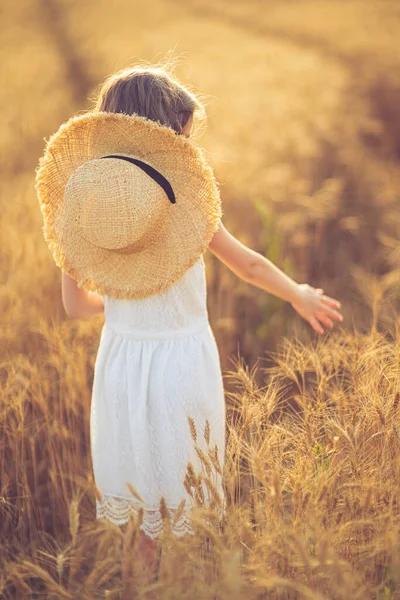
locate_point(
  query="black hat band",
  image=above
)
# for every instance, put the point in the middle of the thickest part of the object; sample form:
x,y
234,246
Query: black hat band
x,y
153,173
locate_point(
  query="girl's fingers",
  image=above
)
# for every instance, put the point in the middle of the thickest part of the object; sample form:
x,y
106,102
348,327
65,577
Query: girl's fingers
x,y
330,301
331,312
315,325
324,319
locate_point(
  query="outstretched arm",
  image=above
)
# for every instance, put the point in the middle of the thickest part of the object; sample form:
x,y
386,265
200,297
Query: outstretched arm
x,y
79,303
254,268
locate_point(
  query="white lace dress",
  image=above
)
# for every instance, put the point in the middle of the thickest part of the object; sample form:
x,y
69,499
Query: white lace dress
x,y
157,363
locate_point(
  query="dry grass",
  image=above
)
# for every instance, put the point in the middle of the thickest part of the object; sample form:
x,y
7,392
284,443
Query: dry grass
x,y
311,479
304,135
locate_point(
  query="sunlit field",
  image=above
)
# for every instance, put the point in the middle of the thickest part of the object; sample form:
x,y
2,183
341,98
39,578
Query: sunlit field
x,y
303,132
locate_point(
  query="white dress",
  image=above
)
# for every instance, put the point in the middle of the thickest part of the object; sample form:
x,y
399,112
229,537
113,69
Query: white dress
x,y
157,363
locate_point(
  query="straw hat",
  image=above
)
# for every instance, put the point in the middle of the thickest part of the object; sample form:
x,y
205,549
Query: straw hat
x,y
128,205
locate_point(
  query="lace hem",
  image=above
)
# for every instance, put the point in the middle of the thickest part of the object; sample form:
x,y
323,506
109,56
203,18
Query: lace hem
x,y
118,511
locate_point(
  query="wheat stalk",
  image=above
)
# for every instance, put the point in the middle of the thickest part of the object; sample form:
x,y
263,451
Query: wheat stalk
x,y
192,427
134,492
207,432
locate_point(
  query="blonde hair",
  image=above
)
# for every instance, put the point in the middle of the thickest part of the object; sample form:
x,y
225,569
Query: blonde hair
x,y
151,92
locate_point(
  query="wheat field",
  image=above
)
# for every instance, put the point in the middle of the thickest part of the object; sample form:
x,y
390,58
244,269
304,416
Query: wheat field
x,y
303,132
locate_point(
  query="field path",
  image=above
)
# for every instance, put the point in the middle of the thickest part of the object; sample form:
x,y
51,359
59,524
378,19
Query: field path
x,y
279,78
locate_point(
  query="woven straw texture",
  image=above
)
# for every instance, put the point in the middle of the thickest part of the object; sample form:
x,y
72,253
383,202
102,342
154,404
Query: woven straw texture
x,y
75,227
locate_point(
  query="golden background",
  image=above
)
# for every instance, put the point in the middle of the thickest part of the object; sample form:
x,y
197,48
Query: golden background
x,y
303,132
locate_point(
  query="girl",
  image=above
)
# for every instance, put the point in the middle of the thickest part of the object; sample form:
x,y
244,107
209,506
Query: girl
x,y
157,362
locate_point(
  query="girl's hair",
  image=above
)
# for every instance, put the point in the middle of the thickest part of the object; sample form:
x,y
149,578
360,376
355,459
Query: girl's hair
x,y
149,92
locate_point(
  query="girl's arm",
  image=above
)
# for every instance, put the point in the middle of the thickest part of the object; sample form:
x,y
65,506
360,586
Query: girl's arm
x,y
79,303
251,266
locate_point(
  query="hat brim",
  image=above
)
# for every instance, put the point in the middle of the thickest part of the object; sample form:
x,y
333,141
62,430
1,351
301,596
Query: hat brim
x,y
185,233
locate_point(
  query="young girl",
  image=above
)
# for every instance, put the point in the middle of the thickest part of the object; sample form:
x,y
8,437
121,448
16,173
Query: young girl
x,y
157,362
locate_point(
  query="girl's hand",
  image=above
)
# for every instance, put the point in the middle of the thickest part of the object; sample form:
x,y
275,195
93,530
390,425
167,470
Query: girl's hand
x,y
311,304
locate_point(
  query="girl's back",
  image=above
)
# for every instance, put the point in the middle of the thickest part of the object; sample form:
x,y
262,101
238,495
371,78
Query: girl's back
x,y
179,310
